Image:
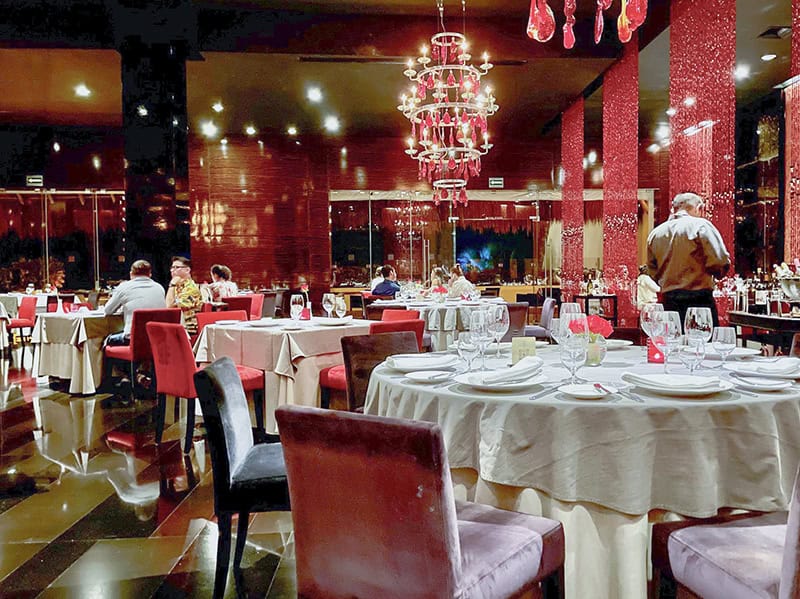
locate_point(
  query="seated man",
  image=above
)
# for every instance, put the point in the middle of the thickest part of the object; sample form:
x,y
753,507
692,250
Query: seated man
x,y
184,293
140,292
389,286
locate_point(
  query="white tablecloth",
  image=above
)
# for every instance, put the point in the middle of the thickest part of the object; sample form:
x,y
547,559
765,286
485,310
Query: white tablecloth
x,y
601,467
291,359
70,346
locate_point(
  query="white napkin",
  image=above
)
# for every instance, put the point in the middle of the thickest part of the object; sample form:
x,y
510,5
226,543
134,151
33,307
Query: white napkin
x,y
782,366
526,368
412,362
674,382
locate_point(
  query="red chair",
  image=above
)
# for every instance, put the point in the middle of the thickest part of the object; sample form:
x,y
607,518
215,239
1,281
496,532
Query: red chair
x,y
239,302
138,350
175,369
256,306
26,318
399,314
206,318
207,307
416,326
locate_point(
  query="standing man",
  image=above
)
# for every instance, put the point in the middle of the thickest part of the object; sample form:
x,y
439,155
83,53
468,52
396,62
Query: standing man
x,y
389,286
140,292
684,254
184,293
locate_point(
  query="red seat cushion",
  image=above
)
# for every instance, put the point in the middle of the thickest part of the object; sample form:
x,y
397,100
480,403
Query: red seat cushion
x,y
20,322
333,378
252,378
119,352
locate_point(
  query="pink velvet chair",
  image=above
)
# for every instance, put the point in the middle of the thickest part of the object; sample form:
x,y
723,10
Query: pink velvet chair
x,y
374,516
739,557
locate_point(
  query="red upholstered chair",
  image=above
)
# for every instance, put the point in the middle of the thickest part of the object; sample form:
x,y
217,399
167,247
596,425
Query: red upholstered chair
x,y
413,539
175,369
415,326
517,319
138,350
206,318
239,302
389,315
207,307
26,318
256,306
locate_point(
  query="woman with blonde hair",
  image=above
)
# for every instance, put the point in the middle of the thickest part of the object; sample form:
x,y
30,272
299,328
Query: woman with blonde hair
x,y
437,280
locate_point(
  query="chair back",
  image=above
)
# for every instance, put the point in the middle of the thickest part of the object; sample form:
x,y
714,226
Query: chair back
x,y
227,423
27,308
790,571
393,314
388,476
206,318
548,308
416,326
256,306
206,307
491,292
362,353
172,358
270,301
140,342
282,298
239,302
93,299
795,349
517,318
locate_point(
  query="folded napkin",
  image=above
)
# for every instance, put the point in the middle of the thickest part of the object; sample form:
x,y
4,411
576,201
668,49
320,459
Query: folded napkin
x,y
672,382
526,368
420,361
782,366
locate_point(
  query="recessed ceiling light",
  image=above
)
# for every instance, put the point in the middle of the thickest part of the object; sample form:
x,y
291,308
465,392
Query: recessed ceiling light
x,y
96,162
56,146
209,129
217,107
82,91
671,111
592,156
291,130
223,141
690,101
344,151
742,71
769,57
332,124
314,94
250,130
141,110
653,148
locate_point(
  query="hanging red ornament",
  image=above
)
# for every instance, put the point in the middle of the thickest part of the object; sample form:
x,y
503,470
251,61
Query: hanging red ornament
x,y
451,164
569,33
624,25
444,194
451,79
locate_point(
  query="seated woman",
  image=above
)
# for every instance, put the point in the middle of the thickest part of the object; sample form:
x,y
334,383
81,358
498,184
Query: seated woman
x,y
221,285
437,281
459,286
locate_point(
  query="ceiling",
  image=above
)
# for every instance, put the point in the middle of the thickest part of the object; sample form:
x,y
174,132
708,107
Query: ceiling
x,y
260,57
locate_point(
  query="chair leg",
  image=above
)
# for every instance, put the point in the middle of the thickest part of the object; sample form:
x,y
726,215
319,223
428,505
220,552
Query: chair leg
x,y
223,555
161,415
187,444
241,539
258,404
324,398
553,585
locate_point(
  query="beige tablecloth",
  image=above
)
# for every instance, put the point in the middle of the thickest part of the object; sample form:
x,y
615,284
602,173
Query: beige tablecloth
x,y
70,346
601,467
291,359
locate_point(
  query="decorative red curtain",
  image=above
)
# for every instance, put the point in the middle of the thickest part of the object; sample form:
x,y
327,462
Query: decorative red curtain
x,y
620,179
703,95
572,209
791,198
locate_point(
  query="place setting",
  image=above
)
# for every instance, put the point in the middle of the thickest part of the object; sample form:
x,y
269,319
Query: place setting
x,y
523,375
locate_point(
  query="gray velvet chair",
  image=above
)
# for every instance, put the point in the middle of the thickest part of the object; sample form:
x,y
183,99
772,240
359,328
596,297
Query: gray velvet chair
x,y
374,516
247,477
542,330
739,557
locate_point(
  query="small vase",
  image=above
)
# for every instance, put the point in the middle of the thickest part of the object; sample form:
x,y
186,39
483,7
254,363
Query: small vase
x,y
596,351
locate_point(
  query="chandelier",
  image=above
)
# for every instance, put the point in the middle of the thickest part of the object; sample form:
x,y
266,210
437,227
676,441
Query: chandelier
x,y
448,110
542,22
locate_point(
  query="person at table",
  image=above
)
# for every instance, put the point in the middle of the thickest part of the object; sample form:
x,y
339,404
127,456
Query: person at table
x,y
377,280
389,286
221,285
646,288
184,293
138,293
684,254
459,285
438,277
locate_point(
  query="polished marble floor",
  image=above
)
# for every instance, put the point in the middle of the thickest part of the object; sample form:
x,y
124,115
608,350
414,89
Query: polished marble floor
x,y
91,508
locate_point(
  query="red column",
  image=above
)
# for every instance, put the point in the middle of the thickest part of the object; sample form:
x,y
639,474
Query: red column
x,y
621,179
572,204
702,92
791,197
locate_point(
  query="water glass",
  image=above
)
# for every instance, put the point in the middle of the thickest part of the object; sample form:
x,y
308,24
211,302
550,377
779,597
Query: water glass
x,y
296,305
573,355
467,350
498,322
666,333
692,352
339,306
569,308
555,332
646,317
574,324
328,301
699,323
479,333
723,340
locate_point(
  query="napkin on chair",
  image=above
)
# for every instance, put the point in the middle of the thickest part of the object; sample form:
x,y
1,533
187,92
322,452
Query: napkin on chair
x,y
526,368
673,382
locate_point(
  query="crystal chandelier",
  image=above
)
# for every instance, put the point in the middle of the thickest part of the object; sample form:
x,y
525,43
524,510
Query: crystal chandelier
x,y
448,109
542,22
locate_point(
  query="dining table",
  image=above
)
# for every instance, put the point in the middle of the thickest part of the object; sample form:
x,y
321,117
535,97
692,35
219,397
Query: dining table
x,y
608,466
291,354
70,346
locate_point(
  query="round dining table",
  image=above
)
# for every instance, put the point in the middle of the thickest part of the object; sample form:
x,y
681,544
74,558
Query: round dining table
x,y
606,468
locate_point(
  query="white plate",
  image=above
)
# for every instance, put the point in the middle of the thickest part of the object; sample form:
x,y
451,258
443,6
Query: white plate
x,y
429,376
264,322
686,393
739,352
227,322
762,385
331,322
465,379
586,391
618,343
748,368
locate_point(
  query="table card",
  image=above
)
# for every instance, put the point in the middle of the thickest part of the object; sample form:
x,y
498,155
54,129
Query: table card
x,y
522,347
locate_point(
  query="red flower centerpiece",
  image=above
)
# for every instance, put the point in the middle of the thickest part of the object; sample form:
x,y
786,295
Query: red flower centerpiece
x,y
599,329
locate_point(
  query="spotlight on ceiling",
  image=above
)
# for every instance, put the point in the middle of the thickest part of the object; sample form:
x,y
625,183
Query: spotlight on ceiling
x,y
332,124
768,57
250,130
671,111
82,91
291,130
314,94
56,146
209,129
741,72
217,107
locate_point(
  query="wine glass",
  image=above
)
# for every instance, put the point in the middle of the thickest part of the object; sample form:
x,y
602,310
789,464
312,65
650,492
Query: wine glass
x,y
498,322
699,323
569,308
555,331
692,352
574,324
666,333
646,317
723,340
573,355
296,305
479,333
328,301
467,350
339,306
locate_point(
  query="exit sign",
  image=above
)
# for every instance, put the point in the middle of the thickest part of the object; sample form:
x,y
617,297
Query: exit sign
x,y
496,183
34,180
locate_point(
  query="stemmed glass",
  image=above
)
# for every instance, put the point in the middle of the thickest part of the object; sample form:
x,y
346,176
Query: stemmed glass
x,y
328,301
666,333
723,339
569,308
467,349
646,317
339,306
296,305
698,323
555,331
573,355
573,324
498,322
479,333
692,352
